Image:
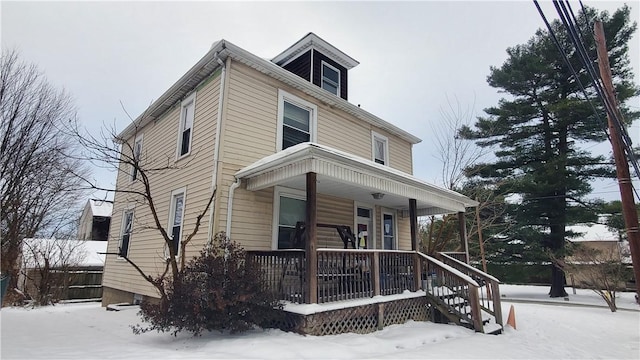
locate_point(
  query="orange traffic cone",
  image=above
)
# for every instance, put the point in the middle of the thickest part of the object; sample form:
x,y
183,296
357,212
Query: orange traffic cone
x,y
511,320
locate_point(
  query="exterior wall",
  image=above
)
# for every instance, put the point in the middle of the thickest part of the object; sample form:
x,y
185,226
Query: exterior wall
x,y
252,108
193,172
301,66
318,58
85,223
248,130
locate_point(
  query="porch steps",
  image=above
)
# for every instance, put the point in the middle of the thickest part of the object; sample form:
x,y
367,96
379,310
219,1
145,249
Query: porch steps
x,y
452,307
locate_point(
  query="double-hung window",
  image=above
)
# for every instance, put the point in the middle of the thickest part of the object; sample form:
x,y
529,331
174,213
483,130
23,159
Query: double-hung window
x,y
290,208
330,79
296,121
137,154
380,148
125,233
185,134
175,218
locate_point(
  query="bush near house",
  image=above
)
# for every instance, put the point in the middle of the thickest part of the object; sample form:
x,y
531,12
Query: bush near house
x,y
218,290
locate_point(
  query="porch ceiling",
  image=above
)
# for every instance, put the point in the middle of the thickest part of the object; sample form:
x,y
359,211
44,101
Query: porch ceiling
x,y
347,176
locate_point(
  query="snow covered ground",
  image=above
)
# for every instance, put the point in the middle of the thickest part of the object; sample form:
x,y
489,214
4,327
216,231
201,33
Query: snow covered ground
x,y
547,329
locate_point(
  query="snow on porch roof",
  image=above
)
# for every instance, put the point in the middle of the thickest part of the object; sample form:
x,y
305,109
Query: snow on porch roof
x,y
347,175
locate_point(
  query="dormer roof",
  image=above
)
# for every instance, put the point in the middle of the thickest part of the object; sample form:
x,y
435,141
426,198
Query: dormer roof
x,y
313,41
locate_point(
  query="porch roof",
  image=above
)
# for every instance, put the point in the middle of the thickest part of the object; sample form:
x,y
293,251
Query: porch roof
x,y
348,176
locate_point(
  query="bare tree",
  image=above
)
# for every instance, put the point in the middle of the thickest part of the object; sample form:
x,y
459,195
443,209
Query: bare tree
x,y
39,193
117,152
601,270
45,267
440,233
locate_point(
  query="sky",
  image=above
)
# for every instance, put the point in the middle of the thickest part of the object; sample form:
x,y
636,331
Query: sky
x,y
415,57
554,330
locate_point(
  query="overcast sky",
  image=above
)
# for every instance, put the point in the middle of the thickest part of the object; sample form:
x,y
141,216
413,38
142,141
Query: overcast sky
x,y
413,55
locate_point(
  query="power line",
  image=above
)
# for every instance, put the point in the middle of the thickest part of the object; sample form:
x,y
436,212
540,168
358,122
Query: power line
x,y
592,74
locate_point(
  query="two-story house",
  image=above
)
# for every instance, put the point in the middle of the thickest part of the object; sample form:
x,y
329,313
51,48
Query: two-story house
x,y
293,165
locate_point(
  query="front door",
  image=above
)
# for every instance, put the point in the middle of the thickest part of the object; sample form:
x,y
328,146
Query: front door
x,y
388,231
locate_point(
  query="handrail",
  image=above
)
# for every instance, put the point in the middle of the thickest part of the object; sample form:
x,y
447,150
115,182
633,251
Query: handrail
x,y
492,303
471,268
453,292
451,269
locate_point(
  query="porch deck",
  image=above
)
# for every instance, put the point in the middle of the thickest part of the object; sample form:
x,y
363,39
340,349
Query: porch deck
x,y
441,290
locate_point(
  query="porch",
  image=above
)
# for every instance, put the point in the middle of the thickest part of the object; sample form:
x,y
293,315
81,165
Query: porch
x,y
444,289
365,290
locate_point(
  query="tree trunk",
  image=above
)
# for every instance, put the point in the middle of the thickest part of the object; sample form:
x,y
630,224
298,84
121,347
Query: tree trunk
x,y
557,282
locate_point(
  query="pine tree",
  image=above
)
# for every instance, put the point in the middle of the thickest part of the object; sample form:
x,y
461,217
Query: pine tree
x,y
540,128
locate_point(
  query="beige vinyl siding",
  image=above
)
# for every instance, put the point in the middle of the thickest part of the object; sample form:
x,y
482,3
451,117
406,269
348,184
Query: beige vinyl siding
x,y
250,126
192,172
400,156
334,211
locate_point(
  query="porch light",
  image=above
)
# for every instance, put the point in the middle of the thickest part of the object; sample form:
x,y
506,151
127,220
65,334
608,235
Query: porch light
x,y
377,195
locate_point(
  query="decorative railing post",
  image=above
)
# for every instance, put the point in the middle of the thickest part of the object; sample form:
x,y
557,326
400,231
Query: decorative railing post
x,y
375,269
476,313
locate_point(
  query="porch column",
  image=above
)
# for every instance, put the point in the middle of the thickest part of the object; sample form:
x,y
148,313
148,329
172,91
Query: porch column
x,y
413,221
464,243
312,239
415,245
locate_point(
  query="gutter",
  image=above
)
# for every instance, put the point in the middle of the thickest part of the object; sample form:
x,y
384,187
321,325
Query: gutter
x,y
232,189
216,151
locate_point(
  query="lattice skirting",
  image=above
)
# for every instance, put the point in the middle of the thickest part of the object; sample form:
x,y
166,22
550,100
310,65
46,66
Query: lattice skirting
x,y
359,319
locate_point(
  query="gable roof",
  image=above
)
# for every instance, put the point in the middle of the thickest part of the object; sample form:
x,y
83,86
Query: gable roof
x,y
224,49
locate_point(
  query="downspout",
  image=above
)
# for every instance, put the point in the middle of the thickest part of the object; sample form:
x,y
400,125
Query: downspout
x,y
232,189
216,153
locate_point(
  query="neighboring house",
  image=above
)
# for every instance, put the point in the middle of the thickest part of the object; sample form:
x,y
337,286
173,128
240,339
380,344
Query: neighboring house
x,y
95,220
607,246
281,147
72,269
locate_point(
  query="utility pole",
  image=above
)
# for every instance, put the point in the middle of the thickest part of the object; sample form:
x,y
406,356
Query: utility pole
x,y
622,166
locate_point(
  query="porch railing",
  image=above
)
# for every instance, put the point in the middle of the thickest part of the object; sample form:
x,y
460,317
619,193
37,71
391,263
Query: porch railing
x,y
454,287
284,272
489,286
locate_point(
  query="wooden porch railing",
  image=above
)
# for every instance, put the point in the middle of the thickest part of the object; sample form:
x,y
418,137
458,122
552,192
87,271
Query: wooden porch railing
x,y
489,286
458,255
283,272
345,274
454,293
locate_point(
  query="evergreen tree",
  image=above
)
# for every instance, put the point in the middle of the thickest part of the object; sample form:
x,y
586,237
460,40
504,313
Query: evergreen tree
x,y
540,128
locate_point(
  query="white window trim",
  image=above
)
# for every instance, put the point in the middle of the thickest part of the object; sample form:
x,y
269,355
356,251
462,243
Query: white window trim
x,y
172,208
128,208
376,136
186,102
138,138
322,65
384,212
313,121
372,236
277,193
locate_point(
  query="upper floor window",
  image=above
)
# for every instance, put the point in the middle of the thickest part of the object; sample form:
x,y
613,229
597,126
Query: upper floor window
x,y
330,78
137,153
380,148
125,233
185,134
296,121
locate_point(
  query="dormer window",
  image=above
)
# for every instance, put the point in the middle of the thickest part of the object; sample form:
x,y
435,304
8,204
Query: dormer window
x,y
330,79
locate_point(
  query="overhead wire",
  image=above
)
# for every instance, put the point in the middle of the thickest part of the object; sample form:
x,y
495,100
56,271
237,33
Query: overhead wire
x,y
592,74
597,80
